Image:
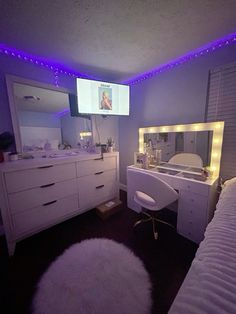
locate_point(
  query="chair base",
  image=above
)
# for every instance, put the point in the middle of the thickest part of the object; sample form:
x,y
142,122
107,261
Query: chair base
x,y
153,220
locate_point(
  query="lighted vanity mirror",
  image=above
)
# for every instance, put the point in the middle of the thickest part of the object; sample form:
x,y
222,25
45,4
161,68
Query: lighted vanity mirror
x,y
172,143
203,139
41,117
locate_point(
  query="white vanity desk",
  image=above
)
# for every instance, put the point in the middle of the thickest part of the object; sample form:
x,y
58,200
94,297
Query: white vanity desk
x,y
197,199
41,192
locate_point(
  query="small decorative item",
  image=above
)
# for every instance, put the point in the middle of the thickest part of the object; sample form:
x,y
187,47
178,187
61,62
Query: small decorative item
x,y
110,144
158,156
13,156
141,160
98,148
205,172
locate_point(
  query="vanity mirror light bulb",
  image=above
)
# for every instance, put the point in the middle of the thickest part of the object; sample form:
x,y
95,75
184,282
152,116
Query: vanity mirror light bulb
x,y
216,140
213,168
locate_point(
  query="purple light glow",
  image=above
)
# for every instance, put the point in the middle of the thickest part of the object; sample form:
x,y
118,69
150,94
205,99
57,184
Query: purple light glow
x,y
42,62
211,47
59,69
62,113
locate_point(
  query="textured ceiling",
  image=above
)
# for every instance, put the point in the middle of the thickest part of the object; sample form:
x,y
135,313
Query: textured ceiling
x,y
116,39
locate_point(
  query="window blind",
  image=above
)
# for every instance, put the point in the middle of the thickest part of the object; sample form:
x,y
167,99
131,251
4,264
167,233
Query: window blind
x,y
221,105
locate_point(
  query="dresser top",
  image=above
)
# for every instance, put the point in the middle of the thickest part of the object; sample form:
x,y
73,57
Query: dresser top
x,y
60,158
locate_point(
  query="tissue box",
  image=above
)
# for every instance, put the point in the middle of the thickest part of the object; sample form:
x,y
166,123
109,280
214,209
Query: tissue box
x,y
109,208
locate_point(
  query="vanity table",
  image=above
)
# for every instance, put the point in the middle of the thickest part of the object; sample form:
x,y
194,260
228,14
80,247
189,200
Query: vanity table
x,y
197,197
41,192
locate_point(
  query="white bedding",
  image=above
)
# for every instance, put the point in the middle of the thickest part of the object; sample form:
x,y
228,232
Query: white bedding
x,y
210,285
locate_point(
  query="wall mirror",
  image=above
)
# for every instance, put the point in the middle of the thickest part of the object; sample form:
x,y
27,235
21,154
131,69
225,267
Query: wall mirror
x,y
41,117
172,143
204,139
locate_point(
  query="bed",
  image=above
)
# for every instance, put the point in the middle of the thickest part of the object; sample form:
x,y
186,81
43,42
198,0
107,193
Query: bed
x,y
210,285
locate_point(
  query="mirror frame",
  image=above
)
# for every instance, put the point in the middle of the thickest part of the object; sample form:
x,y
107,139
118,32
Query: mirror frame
x,y
217,140
10,80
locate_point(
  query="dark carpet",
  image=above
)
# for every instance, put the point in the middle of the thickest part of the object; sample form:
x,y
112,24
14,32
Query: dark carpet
x,y
167,260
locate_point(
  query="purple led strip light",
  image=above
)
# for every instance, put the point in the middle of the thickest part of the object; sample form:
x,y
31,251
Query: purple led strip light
x,y
56,68
211,47
59,69
62,113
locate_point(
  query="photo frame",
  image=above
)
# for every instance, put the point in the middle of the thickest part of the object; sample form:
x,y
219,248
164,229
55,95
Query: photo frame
x,y
138,159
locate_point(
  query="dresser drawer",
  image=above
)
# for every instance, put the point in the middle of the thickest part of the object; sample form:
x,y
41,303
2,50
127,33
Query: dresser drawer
x,y
42,216
94,190
31,198
30,178
87,167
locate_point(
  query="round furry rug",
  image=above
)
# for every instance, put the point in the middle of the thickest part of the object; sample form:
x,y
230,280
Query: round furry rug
x,y
95,276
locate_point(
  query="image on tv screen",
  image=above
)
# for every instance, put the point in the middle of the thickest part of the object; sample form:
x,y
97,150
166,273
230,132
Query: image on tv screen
x,y
95,97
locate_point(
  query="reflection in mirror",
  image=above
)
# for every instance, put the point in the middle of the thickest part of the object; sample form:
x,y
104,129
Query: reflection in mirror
x,y
41,116
172,143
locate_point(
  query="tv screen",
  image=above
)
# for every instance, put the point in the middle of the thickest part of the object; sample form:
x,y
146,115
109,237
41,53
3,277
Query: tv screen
x,y
74,108
95,97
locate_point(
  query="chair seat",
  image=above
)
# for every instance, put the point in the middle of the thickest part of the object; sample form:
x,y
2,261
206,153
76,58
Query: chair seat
x,y
143,199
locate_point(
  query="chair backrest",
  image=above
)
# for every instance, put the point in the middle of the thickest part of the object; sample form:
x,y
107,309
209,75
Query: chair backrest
x,y
162,193
187,159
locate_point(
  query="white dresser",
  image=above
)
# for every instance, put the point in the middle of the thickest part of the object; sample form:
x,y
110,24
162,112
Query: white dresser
x,y
39,193
196,203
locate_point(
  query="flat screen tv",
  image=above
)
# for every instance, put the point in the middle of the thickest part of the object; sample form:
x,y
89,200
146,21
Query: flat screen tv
x,y
95,97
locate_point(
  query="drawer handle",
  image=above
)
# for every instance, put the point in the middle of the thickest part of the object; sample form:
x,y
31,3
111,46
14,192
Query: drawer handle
x,y
46,185
100,172
44,167
100,158
49,203
100,186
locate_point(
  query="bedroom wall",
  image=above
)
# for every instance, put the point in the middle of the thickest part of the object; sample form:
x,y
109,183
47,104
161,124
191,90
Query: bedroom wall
x,y
12,66
177,96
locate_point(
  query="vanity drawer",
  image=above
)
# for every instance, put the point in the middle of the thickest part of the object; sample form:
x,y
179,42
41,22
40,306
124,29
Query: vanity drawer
x,y
31,198
30,178
42,216
94,190
193,201
193,232
193,187
87,167
192,215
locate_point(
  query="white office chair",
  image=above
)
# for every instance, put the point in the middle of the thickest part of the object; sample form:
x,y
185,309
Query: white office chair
x,y
151,194
187,159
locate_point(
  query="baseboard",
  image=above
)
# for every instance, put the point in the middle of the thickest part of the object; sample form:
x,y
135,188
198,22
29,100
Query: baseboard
x,y
123,187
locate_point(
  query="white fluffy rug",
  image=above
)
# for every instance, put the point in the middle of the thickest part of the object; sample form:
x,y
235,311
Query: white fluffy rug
x,y
95,276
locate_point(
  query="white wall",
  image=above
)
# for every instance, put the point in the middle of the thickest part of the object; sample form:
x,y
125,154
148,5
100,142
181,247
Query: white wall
x,y
177,96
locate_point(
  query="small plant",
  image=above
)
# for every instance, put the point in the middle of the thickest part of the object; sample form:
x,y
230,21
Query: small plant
x,y
110,142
